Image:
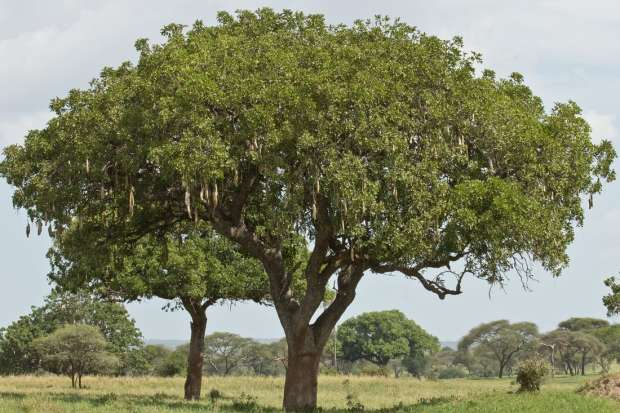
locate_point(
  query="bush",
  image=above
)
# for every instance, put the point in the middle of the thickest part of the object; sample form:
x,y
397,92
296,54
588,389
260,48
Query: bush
x,y
452,372
373,370
531,374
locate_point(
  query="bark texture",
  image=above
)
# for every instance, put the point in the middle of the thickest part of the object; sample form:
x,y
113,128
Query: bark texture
x,y
300,386
195,358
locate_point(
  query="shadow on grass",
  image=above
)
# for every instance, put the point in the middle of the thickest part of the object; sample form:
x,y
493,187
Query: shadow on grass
x,y
244,403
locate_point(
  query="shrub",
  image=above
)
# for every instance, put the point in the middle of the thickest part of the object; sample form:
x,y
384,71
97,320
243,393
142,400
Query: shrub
x,y
531,374
452,372
215,395
245,402
373,370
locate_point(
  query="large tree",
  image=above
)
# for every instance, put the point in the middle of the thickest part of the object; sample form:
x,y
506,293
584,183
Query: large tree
x,y
501,340
379,144
193,267
382,336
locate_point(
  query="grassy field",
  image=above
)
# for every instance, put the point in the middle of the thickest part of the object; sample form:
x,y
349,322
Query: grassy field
x,y
53,394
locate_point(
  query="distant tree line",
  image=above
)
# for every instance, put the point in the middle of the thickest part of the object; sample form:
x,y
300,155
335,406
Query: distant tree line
x,y
77,334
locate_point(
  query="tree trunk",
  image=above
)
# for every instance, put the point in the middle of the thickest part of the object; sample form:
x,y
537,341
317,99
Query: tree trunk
x,y
300,385
583,364
501,370
80,380
195,357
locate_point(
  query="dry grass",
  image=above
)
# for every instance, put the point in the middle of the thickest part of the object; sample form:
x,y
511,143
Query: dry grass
x,y
372,392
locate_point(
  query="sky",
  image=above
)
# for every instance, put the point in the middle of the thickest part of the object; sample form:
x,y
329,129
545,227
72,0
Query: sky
x,y
567,50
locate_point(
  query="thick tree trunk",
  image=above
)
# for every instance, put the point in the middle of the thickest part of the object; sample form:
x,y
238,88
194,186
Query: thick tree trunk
x,y
300,386
195,357
501,371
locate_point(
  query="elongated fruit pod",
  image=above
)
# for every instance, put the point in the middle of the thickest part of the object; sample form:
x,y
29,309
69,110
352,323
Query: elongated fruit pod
x,y
214,195
131,200
188,204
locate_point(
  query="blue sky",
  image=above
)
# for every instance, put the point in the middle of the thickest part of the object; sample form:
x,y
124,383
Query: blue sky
x,y
565,49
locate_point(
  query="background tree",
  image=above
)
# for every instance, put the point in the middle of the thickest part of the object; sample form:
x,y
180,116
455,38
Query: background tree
x,y
592,347
173,363
382,336
575,349
75,350
501,340
610,337
612,300
193,267
585,324
226,352
444,364
16,351
378,143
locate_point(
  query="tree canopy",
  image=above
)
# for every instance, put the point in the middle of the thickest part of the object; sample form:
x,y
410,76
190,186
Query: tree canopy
x,y
501,340
184,263
383,336
378,143
583,324
612,300
75,350
575,348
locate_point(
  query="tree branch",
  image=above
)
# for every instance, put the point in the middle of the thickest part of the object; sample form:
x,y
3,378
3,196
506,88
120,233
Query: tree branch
x,y
433,286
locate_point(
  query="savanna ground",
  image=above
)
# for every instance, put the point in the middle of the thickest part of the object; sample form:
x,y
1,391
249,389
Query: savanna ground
x,y
256,394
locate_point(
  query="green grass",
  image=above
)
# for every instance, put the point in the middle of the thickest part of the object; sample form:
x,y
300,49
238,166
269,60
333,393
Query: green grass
x,y
381,395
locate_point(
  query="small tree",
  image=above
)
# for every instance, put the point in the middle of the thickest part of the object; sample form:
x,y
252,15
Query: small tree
x,y
75,350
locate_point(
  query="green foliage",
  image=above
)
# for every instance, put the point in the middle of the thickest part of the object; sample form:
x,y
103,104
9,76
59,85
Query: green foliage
x,y
583,324
575,349
187,262
120,331
612,300
451,372
75,350
610,337
227,352
173,364
383,336
499,341
531,374
273,120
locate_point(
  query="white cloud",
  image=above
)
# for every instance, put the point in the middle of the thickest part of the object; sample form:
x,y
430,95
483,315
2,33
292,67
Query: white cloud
x,y
603,125
13,128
